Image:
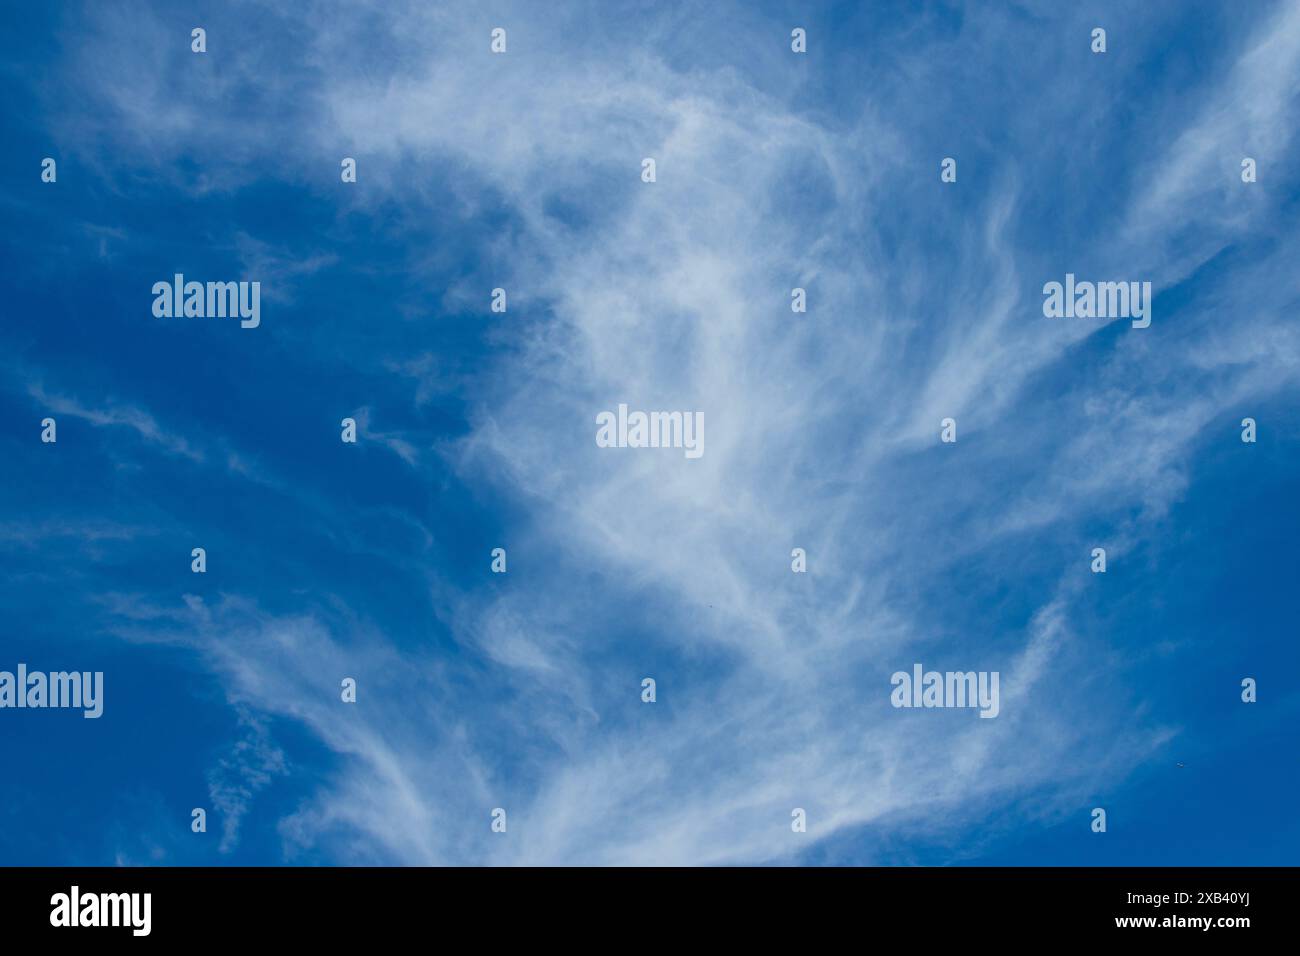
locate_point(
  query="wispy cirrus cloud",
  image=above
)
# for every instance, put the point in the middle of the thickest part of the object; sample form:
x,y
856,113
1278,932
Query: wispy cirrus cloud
x,y
112,415
822,434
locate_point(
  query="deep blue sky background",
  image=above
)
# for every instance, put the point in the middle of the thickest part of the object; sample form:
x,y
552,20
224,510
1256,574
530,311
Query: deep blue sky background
x,y
522,690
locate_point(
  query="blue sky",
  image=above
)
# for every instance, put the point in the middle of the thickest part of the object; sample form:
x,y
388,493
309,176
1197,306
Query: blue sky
x,y
521,690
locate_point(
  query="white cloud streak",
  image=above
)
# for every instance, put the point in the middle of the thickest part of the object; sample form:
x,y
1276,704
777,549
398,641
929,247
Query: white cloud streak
x,y
676,295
